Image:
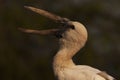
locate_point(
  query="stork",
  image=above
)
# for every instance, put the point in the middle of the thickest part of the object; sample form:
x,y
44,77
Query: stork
x,y
72,37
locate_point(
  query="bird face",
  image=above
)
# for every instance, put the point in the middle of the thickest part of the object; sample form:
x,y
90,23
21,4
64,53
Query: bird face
x,y
73,35
75,30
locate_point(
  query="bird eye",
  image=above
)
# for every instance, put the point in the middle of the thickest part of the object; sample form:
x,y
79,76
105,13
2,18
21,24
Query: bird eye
x,y
72,26
58,35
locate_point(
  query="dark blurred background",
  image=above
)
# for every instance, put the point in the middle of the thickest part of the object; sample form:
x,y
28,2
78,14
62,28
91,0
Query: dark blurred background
x,y
29,57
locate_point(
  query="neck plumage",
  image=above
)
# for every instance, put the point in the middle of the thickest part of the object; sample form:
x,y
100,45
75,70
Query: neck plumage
x,y
63,58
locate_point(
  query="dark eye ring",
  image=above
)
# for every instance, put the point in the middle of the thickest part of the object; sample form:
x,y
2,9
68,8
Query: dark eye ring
x,y
72,26
58,35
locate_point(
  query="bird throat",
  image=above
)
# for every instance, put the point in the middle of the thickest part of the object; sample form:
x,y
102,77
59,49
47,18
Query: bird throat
x,y
63,59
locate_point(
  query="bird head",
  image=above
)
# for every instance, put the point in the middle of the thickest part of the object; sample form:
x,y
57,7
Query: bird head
x,y
70,34
75,34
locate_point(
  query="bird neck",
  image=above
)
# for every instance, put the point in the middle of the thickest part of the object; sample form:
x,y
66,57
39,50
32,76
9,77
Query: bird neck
x,y
63,58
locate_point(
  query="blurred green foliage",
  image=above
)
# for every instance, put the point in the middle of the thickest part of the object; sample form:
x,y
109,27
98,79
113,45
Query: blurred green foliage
x,y
29,57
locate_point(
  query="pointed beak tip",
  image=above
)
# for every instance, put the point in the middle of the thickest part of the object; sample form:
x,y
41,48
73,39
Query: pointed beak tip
x,y
21,29
25,6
